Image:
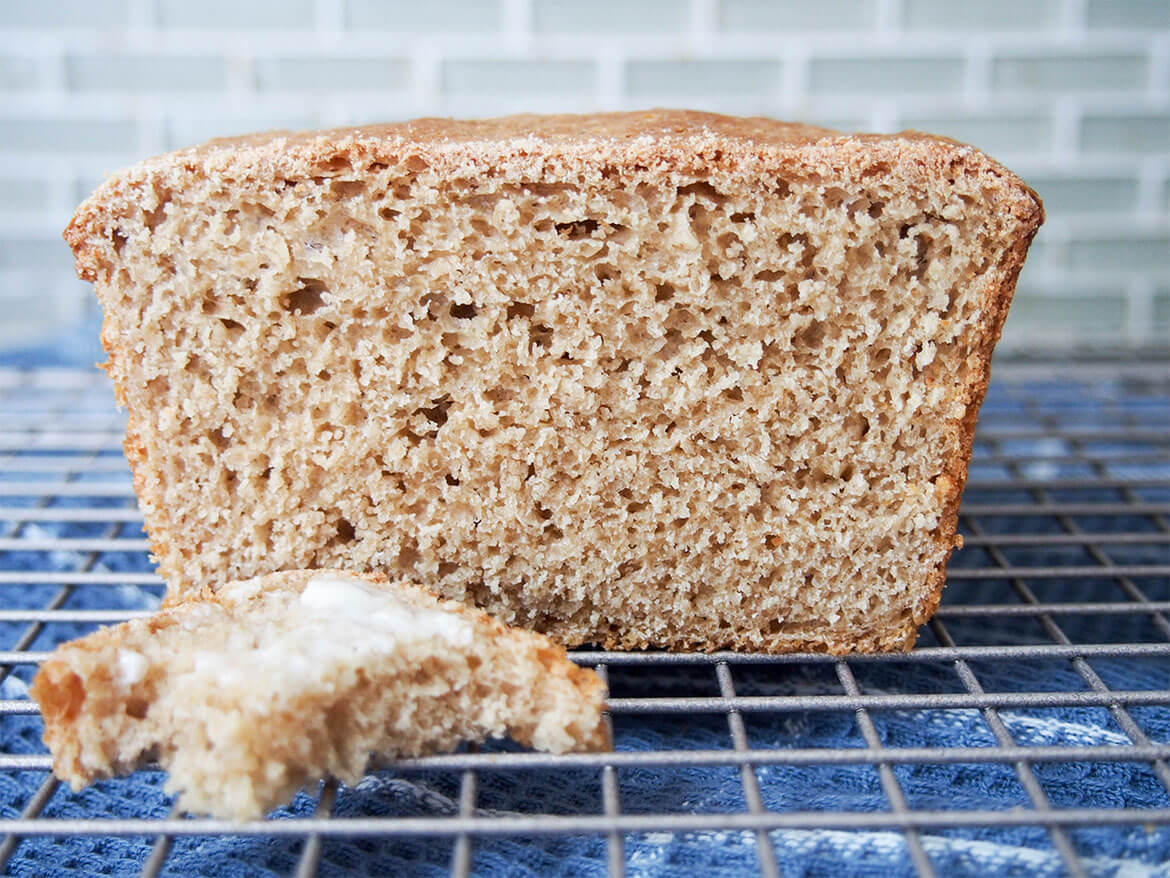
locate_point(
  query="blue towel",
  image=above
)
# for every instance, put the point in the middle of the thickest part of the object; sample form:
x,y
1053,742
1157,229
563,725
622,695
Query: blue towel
x,y
1119,850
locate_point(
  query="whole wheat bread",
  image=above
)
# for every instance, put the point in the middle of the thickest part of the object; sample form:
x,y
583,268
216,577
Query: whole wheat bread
x,y
270,684
661,378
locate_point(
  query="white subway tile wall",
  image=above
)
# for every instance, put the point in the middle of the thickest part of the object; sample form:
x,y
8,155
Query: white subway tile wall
x,y
1072,94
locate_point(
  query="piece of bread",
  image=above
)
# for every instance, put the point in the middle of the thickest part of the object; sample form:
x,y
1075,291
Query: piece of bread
x,y
270,684
663,378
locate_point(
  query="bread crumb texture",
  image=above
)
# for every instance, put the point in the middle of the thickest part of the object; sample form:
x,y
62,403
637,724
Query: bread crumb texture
x,y
249,693
664,378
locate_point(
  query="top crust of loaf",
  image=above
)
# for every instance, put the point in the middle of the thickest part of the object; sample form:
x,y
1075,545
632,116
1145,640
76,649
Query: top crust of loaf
x,y
521,144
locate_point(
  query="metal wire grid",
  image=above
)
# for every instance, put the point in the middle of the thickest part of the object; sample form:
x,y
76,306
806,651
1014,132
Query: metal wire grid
x,y
1077,466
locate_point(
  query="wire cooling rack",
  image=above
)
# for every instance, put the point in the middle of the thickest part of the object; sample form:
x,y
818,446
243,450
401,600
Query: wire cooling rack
x,y
1028,730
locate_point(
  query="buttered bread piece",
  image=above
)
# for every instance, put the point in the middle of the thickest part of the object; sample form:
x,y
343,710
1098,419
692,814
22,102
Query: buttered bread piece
x,y
273,683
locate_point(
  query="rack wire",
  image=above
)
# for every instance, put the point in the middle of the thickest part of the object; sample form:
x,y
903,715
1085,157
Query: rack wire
x,y
1063,587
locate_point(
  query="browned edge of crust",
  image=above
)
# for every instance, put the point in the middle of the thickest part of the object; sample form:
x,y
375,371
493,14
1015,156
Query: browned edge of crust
x,y
1029,215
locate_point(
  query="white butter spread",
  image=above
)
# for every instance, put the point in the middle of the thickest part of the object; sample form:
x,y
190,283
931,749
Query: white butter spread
x,y
337,620
131,667
349,601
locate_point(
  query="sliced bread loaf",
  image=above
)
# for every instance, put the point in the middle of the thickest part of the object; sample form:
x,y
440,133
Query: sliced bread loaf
x,y
660,378
273,683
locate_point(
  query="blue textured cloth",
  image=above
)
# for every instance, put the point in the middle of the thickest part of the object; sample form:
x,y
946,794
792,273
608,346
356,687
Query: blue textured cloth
x,y
1121,850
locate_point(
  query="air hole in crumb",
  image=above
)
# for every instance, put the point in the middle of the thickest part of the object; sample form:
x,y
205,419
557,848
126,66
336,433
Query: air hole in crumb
x,y
603,271
437,413
347,188
307,299
520,309
743,217
875,209
734,393
155,217
137,707
464,312
388,213
218,439
577,229
541,335
544,513
119,241
702,189
619,234
811,336
231,326
922,256
345,532
769,276
451,480
447,568
409,557
857,426
795,243
834,196
499,394
664,293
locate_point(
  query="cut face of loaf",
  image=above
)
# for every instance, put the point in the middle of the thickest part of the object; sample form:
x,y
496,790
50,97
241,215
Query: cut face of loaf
x,y
663,379
274,683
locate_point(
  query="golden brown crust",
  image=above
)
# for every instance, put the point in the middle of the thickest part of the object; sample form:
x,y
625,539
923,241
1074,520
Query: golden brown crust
x,y
1029,214
523,144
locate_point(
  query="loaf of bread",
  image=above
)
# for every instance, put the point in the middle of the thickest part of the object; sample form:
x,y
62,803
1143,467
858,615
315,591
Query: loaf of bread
x,y
649,379
270,684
